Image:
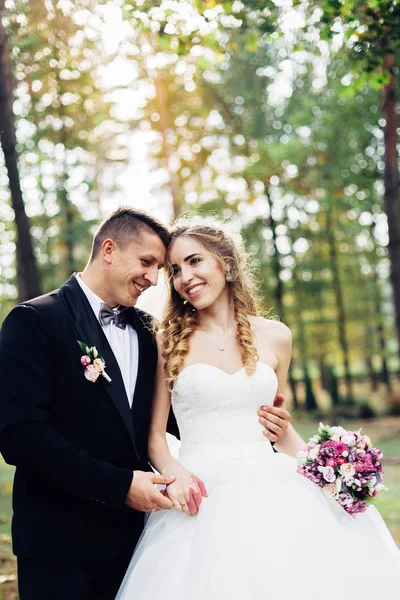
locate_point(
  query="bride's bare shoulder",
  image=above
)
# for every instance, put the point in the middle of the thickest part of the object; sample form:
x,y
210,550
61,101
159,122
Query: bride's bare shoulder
x,y
271,328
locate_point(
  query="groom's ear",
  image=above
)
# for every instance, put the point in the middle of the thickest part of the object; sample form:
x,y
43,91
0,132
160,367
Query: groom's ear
x,y
107,249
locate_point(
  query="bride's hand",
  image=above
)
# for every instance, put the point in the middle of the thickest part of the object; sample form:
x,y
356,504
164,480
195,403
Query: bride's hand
x,y
186,492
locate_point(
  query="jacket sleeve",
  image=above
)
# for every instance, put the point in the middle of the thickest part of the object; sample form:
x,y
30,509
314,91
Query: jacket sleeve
x,y
27,439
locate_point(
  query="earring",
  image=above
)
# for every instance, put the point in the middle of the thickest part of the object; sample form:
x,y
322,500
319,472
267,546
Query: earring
x,y
183,300
229,277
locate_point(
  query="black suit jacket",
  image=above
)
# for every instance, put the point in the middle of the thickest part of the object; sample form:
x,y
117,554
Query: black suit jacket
x,y
74,443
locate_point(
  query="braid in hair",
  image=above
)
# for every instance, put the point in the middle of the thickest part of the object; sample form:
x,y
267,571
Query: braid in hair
x,y
176,332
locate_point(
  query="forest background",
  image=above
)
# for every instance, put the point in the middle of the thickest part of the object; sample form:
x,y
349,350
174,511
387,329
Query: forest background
x,y
279,116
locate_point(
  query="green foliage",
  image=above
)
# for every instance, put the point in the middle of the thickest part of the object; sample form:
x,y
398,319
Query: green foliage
x,y
62,119
372,30
244,120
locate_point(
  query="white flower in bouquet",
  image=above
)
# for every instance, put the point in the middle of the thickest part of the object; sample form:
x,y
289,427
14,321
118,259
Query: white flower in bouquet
x,y
338,431
348,439
302,455
379,487
347,470
313,453
330,490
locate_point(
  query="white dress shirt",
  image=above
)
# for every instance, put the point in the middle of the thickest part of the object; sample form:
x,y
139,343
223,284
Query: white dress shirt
x,y
124,342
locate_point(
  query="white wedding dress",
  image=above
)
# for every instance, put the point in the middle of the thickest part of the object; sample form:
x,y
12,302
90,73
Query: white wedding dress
x,y
264,532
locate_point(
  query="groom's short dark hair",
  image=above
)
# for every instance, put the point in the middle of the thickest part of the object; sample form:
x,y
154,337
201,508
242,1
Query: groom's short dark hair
x,y
126,224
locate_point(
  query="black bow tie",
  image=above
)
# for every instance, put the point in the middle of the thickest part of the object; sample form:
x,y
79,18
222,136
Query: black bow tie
x,y
117,316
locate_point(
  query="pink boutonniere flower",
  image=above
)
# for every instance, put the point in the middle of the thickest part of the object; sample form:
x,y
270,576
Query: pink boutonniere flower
x,y
93,363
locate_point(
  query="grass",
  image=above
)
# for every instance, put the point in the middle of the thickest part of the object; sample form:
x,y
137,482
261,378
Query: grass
x,y
384,432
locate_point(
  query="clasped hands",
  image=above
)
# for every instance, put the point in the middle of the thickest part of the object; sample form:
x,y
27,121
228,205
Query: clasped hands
x,y
184,490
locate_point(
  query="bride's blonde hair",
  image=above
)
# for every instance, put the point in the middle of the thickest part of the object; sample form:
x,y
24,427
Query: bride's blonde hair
x,y
180,320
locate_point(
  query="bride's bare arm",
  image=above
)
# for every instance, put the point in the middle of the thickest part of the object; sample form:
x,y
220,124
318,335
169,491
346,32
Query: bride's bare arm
x,y
188,490
290,442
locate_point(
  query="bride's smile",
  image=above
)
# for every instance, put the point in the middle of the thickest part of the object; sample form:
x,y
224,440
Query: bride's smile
x,y
198,276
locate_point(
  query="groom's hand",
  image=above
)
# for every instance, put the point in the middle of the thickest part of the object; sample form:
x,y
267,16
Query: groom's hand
x,y
274,419
144,496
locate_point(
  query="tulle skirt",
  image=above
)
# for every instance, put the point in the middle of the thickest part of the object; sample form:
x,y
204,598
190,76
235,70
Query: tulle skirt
x,y
264,532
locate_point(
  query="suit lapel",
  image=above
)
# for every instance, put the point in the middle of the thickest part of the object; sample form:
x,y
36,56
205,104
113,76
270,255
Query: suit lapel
x,y
140,327
90,332
146,368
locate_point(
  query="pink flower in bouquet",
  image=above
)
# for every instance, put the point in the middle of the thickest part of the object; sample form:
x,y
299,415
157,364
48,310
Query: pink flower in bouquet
x,y
359,467
341,448
337,447
85,360
368,465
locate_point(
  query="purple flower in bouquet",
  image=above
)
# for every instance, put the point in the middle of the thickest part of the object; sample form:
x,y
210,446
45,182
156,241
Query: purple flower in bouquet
x,y
329,474
346,499
357,507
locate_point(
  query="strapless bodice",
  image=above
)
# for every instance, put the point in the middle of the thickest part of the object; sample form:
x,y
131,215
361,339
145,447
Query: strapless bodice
x,y
215,407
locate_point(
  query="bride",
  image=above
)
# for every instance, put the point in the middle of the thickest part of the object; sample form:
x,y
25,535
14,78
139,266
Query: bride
x,y
245,525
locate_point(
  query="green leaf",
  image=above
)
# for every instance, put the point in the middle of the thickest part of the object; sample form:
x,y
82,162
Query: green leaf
x,y
164,42
203,63
83,347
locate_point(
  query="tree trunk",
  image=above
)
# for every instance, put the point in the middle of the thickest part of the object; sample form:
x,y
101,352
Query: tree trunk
x,y
310,403
391,183
380,329
323,373
276,265
385,375
371,373
28,279
279,289
342,323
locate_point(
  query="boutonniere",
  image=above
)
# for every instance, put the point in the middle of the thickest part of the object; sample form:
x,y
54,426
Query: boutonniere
x,y
94,364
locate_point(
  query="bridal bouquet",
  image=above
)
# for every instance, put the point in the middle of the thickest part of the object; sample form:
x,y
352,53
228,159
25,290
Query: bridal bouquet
x,y
345,465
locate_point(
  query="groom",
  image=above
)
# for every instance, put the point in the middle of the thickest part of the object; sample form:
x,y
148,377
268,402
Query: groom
x,y
77,433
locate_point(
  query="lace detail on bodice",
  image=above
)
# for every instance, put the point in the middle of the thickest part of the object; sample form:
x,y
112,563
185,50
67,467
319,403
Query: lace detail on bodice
x,y
214,407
